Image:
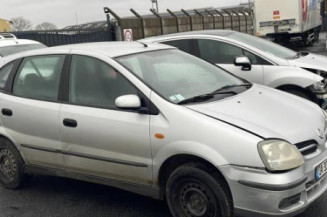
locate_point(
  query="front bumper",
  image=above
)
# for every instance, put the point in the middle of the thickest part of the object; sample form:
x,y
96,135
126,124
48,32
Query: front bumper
x,y
257,192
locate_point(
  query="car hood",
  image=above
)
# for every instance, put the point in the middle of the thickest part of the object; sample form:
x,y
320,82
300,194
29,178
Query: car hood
x,y
311,61
268,113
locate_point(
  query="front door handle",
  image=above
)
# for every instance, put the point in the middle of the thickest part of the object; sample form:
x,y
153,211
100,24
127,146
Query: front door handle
x,y
6,112
70,123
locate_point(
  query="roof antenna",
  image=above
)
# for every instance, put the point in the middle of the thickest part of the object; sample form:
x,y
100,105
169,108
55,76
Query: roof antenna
x,y
144,44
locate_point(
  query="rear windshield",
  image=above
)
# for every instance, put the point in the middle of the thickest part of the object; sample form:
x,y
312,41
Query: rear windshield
x,y
8,50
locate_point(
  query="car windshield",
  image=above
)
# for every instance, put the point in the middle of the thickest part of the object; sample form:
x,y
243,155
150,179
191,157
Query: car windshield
x,y
8,50
179,77
264,45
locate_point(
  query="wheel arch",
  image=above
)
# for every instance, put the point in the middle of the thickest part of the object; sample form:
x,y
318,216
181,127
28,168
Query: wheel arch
x,y
175,161
286,87
4,136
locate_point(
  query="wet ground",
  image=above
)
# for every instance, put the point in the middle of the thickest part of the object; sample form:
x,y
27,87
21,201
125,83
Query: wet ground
x,y
318,47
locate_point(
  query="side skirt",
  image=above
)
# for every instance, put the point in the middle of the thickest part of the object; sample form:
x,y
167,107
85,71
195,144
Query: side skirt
x,y
144,190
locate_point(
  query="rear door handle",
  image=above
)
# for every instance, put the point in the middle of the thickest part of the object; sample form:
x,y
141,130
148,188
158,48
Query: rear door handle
x,y
6,112
70,123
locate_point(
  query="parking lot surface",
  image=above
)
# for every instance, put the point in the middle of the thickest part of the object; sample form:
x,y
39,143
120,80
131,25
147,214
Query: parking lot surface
x,y
319,47
54,197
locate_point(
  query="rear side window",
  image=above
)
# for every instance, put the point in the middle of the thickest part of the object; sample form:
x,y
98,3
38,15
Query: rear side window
x,y
184,44
4,74
95,83
39,77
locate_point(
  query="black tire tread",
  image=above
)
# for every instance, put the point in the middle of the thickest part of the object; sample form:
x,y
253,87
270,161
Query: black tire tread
x,y
21,177
298,93
222,186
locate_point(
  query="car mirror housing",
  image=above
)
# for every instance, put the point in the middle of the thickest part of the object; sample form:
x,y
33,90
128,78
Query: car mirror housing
x,y
128,102
244,62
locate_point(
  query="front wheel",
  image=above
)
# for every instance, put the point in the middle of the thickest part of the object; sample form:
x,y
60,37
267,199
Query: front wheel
x,y
11,165
193,192
299,93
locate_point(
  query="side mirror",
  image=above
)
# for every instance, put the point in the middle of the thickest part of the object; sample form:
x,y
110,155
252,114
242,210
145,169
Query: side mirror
x,y
244,62
128,102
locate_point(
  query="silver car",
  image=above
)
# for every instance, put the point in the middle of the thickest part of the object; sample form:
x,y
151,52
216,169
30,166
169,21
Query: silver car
x,y
257,60
159,122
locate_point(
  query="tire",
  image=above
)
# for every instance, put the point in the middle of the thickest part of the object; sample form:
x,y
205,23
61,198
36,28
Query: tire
x,y
299,93
11,165
317,34
192,192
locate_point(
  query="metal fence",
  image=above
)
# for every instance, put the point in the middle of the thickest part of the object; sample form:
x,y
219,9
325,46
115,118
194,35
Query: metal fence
x,y
142,26
238,19
62,37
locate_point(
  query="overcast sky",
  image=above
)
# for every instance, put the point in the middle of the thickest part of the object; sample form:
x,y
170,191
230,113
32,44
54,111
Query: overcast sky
x,y
64,12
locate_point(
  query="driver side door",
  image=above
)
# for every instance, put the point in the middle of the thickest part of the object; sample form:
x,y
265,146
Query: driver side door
x,y
223,54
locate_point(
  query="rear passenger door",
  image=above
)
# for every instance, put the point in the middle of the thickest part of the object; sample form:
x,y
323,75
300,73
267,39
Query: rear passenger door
x,y
98,138
30,108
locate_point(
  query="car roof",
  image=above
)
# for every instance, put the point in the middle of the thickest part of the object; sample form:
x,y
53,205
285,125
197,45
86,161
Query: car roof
x,y
110,49
10,42
216,32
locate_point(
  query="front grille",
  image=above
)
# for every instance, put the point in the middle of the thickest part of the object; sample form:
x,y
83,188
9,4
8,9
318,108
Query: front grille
x,y
307,147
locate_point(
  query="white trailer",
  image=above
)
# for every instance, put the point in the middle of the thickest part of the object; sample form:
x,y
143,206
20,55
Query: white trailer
x,y
286,19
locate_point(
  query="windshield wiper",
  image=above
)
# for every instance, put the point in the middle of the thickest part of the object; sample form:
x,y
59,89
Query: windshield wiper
x,y
300,54
200,98
206,97
297,56
226,87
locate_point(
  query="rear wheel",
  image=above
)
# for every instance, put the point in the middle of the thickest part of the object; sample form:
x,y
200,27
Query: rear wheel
x,y
11,165
193,192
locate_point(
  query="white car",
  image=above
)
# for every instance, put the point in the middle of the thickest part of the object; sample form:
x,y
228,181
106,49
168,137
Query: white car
x,y
162,123
267,63
9,44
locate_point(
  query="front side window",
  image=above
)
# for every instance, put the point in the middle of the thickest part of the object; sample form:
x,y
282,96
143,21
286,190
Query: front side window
x,y
95,83
39,77
178,76
218,52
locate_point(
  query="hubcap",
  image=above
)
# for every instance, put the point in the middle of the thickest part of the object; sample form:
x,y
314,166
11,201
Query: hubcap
x,y
194,201
8,165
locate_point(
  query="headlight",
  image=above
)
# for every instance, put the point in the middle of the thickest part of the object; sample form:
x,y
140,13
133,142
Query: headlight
x,y
325,116
319,87
324,113
321,73
279,155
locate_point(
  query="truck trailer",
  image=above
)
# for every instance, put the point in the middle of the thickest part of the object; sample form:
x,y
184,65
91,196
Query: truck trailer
x,y
284,20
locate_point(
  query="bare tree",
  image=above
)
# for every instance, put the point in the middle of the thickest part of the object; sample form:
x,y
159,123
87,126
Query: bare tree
x,y
20,24
46,26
